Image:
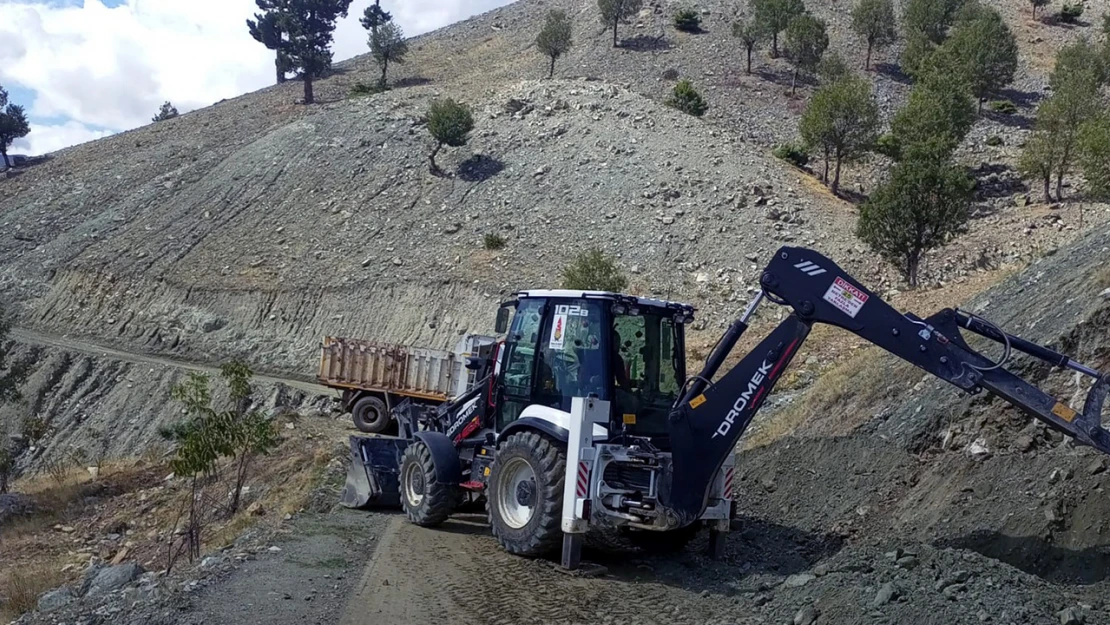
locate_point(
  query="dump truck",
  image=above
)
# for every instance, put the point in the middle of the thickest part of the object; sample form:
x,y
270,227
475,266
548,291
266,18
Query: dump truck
x,y
374,376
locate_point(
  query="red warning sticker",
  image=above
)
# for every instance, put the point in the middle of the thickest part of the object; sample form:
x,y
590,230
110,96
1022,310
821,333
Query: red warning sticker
x,y
846,297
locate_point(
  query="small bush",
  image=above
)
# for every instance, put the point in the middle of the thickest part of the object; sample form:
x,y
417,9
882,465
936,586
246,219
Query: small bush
x,y
1070,13
792,154
687,99
594,271
687,20
362,89
493,241
994,140
1005,107
888,145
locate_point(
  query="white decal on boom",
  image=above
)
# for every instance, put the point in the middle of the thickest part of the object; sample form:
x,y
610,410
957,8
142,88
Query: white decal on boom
x,y
742,401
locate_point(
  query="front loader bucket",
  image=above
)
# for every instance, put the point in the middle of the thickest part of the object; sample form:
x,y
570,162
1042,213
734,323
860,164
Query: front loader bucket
x,y
373,473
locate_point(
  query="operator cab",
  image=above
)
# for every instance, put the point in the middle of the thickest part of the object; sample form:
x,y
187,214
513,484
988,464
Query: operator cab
x,y
563,344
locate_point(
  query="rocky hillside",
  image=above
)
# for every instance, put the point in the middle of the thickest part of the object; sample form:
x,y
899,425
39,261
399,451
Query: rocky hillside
x,y
256,226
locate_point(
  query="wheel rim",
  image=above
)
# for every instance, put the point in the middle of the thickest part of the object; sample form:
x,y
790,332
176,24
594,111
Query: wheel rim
x,y
516,493
414,484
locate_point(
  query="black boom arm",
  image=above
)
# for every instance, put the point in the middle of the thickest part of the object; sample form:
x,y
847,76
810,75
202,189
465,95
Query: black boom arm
x,y
709,419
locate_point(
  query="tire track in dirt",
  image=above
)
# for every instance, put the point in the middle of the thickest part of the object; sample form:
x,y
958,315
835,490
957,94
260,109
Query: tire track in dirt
x,y
458,571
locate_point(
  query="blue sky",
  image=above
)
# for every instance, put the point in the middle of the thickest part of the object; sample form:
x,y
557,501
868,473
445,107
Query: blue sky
x,y
88,68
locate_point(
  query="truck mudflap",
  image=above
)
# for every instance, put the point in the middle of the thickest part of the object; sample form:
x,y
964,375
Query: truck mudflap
x,y
373,474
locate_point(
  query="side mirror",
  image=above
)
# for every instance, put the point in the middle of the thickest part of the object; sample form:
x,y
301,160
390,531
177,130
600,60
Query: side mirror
x,y
502,324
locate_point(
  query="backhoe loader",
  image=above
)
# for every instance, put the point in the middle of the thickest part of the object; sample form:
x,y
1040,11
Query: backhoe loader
x,y
584,420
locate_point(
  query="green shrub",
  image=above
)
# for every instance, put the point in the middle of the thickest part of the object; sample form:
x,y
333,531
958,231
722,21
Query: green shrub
x,y
888,145
687,99
493,241
361,89
687,20
1070,12
1005,107
792,154
594,271
994,140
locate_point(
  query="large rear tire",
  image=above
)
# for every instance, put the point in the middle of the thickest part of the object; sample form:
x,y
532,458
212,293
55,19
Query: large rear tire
x,y
371,415
425,501
524,495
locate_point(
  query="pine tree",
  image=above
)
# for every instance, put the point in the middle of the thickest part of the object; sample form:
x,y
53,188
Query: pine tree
x,y
308,27
842,121
554,39
874,21
167,111
265,29
387,45
750,34
13,125
773,16
613,12
806,41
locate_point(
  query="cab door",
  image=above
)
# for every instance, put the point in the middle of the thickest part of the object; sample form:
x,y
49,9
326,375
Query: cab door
x,y
519,364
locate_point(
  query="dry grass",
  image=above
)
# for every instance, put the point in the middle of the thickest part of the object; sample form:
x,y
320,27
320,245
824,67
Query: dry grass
x,y
23,586
844,397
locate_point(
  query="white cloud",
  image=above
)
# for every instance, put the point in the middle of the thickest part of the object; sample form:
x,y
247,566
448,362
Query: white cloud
x,y
52,137
95,66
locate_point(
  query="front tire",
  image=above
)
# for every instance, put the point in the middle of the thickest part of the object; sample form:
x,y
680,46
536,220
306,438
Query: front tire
x,y
525,494
371,415
426,502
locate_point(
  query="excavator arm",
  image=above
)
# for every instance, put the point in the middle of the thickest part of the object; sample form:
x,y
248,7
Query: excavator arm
x,y
710,417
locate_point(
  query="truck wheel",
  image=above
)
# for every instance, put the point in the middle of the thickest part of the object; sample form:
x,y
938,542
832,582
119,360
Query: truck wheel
x,y
425,501
663,542
370,415
524,498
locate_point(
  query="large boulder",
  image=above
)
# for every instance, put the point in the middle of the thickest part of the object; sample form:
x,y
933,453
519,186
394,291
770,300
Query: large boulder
x,y
110,578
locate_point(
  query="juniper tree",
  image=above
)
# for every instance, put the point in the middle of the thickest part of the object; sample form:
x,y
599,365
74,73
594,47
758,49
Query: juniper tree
x,y
613,12
806,41
1094,155
874,21
832,68
922,206
13,124
554,39
1039,160
773,16
938,109
981,49
750,34
686,98
450,124
842,121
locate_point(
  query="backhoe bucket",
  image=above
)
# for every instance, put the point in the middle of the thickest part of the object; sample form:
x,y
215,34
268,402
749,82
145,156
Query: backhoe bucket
x,y
373,473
